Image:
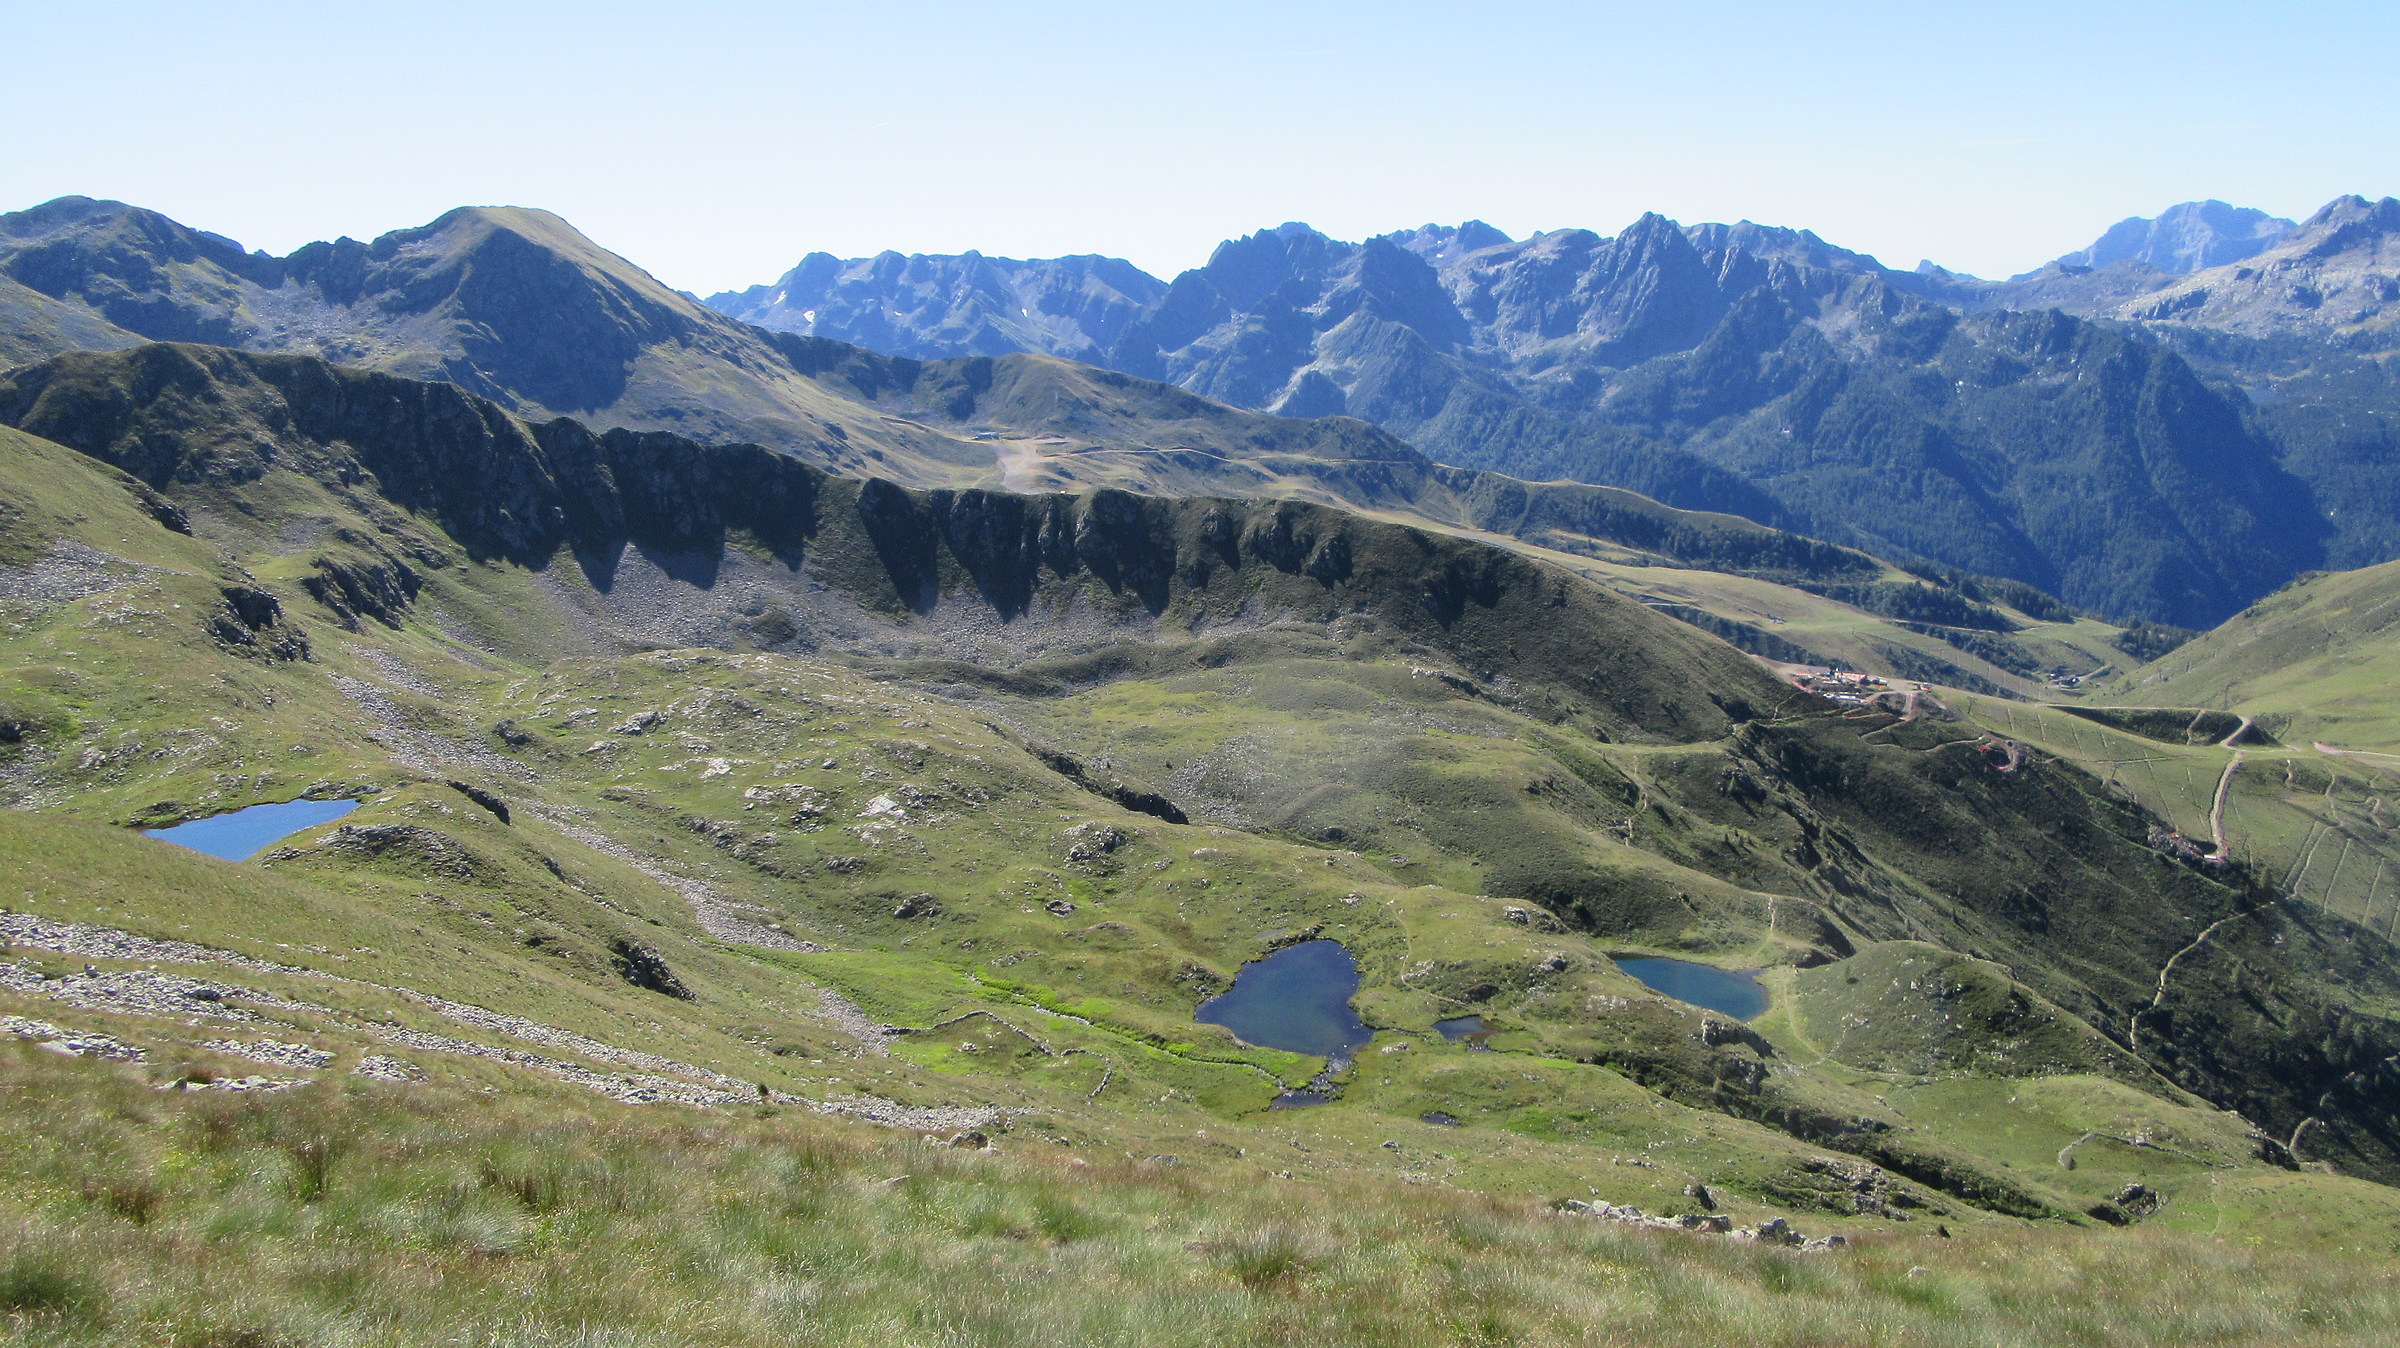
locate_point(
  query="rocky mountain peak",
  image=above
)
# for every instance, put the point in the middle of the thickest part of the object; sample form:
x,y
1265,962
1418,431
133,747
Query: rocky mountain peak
x,y
1652,230
1438,244
2185,238
1398,284
2382,216
1776,243
2350,224
2334,274
124,263
68,216
935,306
1248,269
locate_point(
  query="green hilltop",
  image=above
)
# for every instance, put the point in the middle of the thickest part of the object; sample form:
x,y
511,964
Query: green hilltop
x,y
2316,660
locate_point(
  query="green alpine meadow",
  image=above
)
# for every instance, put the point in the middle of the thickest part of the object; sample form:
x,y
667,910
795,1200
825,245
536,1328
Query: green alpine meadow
x,y
1450,786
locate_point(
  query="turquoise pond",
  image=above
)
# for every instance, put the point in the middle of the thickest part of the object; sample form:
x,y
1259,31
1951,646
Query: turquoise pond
x,y
243,834
1721,990
1297,999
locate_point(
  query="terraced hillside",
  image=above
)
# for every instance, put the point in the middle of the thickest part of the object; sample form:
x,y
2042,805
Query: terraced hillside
x,y
689,770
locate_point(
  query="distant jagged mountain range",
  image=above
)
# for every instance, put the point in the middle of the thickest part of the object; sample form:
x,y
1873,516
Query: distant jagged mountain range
x,y
969,305
1086,305
2144,441
2099,426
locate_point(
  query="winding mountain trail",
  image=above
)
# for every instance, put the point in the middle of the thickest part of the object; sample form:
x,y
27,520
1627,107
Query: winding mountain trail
x,y
2133,1027
2216,811
2290,890
2366,757
2313,1120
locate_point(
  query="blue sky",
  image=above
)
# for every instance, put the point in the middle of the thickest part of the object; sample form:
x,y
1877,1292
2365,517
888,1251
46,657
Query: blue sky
x,y
714,143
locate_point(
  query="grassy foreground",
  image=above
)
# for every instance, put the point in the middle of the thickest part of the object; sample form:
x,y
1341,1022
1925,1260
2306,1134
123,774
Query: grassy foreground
x,y
367,1214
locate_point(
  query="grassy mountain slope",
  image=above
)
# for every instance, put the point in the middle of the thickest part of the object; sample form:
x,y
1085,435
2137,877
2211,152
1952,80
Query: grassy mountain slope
x,y
2269,740
33,326
1036,758
2314,661
333,1214
2315,826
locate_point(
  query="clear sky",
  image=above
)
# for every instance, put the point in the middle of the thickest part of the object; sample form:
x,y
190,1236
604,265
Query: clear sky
x,y
715,143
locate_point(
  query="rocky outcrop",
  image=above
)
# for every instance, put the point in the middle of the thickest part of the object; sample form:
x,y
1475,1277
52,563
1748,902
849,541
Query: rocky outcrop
x,y
497,807
252,623
639,963
407,847
1111,788
561,493
1773,1231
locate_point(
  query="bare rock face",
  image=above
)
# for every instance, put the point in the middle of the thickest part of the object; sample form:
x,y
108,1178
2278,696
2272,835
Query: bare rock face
x,y
1139,799
252,624
383,1067
2186,238
1773,1231
641,965
485,799
2128,1205
2336,275
353,589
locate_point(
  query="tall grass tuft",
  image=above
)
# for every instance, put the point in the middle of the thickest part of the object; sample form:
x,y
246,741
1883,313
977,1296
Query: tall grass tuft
x,y
1267,1260
38,1285
312,1167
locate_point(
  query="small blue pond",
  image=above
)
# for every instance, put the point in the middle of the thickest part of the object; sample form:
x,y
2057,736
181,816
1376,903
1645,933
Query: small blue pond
x,y
1297,999
1722,990
1461,1027
244,834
